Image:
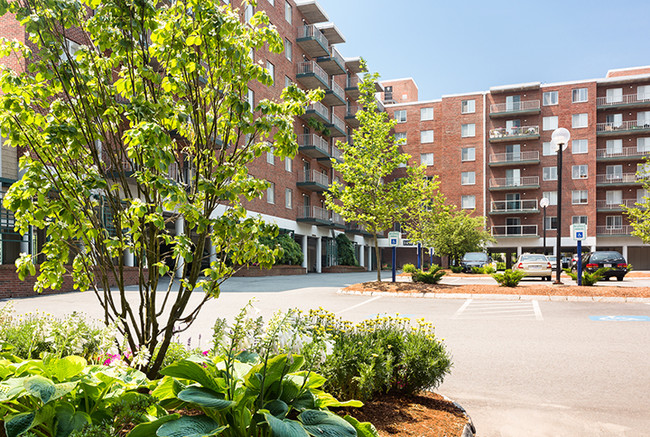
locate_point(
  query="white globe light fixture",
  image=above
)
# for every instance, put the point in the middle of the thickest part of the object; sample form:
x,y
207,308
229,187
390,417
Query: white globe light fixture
x,y
544,202
561,137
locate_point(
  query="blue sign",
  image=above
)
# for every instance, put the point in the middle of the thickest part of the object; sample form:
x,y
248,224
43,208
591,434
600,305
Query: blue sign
x,y
580,235
620,318
393,241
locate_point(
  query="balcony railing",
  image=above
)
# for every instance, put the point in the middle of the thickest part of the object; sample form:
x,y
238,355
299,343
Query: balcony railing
x,y
314,212
337,219
319,109
308,33
337,154
352,82
628,99
529,105
313,140
337,90
603,204
513,206
514,132
622,153
339,125
614,230
352,110
515,231
514,182
312,68
622,126
513,157
316,177
618,178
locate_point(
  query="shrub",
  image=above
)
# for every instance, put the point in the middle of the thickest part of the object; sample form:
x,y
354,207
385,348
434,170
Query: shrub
x,y
501,266
425,266
409,268
588,279
433,276
345,251
456,269
291,251
488,270
509,278
478,270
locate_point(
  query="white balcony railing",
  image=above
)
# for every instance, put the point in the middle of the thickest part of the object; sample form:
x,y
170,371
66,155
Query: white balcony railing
x,y
311,67
313,140
320,109
513,132
336,153
316,177
352,110
528,105
614,230
514,157
336,56
338,123
528,205
352,82
618,178
622,126
311,31
627,99
514,230
623,152
603,204
514,182
337,90
336,218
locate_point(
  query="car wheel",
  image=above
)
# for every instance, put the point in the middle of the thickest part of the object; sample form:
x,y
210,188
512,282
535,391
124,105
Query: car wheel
x,y
548,278
619,278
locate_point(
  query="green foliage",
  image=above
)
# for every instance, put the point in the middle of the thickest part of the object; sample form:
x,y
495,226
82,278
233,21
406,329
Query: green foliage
x,y
345,251
489,270
456,269
456,232
483,270
509,278
588,279
409,268
433,276
291,253
501,266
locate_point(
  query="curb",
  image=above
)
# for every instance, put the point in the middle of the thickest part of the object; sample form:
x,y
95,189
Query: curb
x,y
469,430
550,298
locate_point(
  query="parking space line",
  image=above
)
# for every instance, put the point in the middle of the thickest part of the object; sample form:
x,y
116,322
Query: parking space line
x,y
538,311
358,305
462,308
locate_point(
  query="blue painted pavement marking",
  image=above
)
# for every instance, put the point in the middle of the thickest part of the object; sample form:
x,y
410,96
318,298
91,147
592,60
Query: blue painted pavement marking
x,y
620,318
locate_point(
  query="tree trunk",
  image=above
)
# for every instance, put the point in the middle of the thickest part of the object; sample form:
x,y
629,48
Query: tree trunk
x,y
378,254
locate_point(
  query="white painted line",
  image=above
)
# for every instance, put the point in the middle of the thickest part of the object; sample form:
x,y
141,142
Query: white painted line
x,y
538,311
358,305
520,310
462,308
516,304
452,280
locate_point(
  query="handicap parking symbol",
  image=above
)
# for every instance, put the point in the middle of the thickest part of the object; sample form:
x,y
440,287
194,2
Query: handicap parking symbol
x,y
620,318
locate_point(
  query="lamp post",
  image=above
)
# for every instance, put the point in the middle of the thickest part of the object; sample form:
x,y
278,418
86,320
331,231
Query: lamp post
x,y
560,138
544,203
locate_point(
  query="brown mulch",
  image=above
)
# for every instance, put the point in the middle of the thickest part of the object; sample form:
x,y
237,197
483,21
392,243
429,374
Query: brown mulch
x,y
426,414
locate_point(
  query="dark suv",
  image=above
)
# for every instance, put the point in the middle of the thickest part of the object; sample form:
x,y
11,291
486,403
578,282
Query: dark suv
x,y
475,259
611,260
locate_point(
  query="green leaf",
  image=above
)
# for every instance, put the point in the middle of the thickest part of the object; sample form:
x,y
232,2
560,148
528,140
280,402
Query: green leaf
x,y
324,423
190,426
277,408
19,424
285,428
40,387
204,397
364,429
324,400
68,420
186,369
149,428
68,367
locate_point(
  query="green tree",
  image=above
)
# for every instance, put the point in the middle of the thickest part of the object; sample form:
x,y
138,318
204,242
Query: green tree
x,y
455,233
640,215
147,127
345,251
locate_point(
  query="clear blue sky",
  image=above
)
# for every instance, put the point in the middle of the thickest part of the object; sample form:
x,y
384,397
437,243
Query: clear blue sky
x,y
451,46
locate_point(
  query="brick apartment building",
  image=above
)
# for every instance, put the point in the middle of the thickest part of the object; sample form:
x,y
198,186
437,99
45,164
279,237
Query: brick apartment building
x,y
492,152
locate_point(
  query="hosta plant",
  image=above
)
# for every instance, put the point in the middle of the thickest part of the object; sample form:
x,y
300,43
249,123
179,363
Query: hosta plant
x,y
509,278
433,276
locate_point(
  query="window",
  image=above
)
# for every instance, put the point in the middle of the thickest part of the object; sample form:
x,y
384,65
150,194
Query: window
x,y
468,130
614,172
579,220
550,98
288,164
614,121
641,195
468,202
643,92
550,173
288,50
287,81
614,222
551,196
468,178
643,119
549,123
548,149
579,197
400,138
550,224
251,98
580,95
272,2
271,68
270,193
248,14
468,154
468,106
288,198
426,136
614,95
288,12
270,157
643,145
614,197
400,116
71,47
580,171
426,159
614,147
426,114
579,146
580,120
642,170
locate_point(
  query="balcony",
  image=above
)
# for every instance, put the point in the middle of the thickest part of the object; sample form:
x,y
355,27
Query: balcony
x,y
337,127
313,181
336,154
352,87
513,158
622,128
515,231
312,41
614,231
314,215
528,206
318,111
621,154
502,134
313,146
529,107
334,96
333,63
7,219
521,183
311,76
626,101
351,116
604,206
336,221
609,180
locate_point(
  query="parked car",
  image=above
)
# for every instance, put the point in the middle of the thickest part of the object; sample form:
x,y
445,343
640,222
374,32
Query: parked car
x,y
533,264
566,262
476,259
553,260
611,260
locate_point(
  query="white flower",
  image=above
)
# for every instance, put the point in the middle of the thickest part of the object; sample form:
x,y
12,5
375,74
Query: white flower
x,y
141,357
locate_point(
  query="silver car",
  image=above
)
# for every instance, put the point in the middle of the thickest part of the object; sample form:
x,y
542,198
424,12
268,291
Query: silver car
x,y
533,264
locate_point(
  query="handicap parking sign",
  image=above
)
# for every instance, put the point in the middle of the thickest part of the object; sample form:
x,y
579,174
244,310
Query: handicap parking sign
x,y
579,235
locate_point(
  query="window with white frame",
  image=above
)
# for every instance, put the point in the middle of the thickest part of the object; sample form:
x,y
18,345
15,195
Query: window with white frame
x,y
248,13
468,106
643,92
270,193
468,130
426,159
579,146
287,81
614,197
614,147
579,197
288,164
580,95
271,69
614,95
270,157
615,120
71,48
580,171
550,224
468,202
549,123
550,173
614,222
551,196
288,198
272,2
643,170
468,178
550,98
580,120
288,12
614,172
641,195
426,136
548,149
251,98
400,116
426,114
400,138
468,154
643,144
288,50
579,220
643,119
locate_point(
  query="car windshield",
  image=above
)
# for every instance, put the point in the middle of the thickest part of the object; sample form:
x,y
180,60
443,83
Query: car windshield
x,y
606,256
475,256
551,258
533,258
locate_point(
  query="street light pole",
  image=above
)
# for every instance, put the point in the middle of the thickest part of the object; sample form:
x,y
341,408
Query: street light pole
x,y
560,138
544,203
